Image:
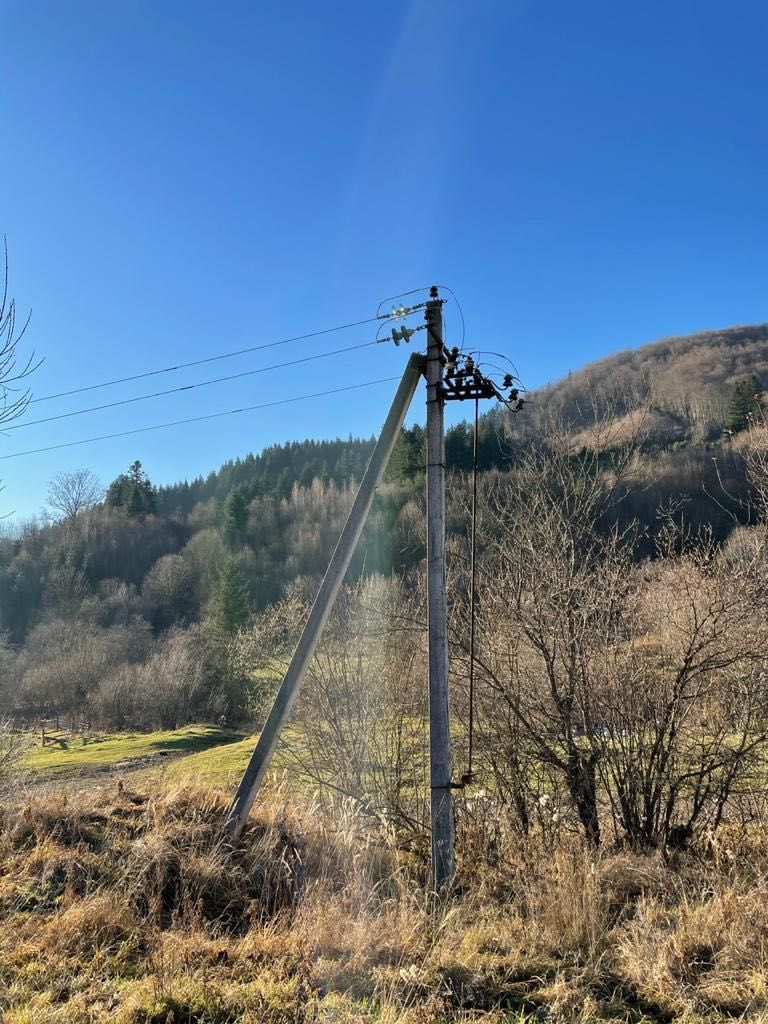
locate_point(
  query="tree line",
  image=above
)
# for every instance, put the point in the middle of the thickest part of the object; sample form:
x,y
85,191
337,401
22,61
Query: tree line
x,y
275,471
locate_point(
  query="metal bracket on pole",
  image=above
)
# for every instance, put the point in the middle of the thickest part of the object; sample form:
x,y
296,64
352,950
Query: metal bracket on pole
x,y
326,596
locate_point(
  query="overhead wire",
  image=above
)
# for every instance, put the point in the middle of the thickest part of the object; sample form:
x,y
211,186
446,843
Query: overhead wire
x,y
189,387
485,351
210,359
200,419
452,293
415,291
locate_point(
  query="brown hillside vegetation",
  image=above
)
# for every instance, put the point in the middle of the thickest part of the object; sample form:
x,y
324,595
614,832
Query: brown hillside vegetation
x,y
687,381
133,912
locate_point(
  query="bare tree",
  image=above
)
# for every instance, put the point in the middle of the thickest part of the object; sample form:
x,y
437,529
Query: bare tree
x,y
72,493
635,689
14,395
553,585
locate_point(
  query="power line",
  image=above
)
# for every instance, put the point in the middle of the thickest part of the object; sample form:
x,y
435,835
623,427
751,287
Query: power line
x,y
199,419
461,313
210,359
188,387
414,291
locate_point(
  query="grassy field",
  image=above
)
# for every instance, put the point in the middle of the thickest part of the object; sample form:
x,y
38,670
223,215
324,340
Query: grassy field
x,y
217,765
80,754
201,754
223,765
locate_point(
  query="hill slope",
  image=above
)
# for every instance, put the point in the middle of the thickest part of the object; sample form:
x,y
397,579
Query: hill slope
x,y
687,381
682,385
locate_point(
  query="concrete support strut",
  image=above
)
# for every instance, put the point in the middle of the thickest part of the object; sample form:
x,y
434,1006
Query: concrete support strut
x,y
326,596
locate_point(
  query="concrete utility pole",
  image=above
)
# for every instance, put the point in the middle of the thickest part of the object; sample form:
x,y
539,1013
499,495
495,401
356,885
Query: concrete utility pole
x,y
443,861
321,609
461,381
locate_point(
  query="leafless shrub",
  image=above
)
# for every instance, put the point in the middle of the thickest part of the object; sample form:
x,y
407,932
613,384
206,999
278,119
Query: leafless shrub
x,y
64,660
187,677
682,705
261,652
361,714
639,689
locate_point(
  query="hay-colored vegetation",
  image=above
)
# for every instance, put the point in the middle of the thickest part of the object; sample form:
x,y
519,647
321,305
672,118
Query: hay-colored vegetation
x,y
117,907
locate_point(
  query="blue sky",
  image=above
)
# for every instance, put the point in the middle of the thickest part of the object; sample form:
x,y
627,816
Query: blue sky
x,y
182,179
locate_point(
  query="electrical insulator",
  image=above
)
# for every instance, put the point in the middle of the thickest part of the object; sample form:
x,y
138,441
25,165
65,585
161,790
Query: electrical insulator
x,y
402,335
508,378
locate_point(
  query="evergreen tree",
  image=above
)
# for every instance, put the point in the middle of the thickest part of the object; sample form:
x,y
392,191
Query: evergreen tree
x,y
135,506
307,476
235,516
283,484
746,403
133,491
230,606
408,456
458,446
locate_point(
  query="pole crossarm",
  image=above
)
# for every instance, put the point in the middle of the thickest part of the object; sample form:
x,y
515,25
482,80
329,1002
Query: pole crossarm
x,y
326,596
454,392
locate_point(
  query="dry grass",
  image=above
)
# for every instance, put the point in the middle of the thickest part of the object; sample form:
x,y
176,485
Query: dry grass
x,y
120,910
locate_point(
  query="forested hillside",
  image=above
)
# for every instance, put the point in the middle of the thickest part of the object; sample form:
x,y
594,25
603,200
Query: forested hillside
x,y
275,470
147,582
685,390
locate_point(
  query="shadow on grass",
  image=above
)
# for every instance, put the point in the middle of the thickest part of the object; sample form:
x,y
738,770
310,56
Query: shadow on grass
x,y
194,744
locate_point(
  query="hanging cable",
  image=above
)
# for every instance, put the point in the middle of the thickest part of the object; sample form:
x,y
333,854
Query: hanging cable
x,y
188,387
199,419
210,359
472,578
461,313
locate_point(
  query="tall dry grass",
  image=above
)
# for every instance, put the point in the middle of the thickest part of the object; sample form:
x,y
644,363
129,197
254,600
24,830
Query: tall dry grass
x,y
120,909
